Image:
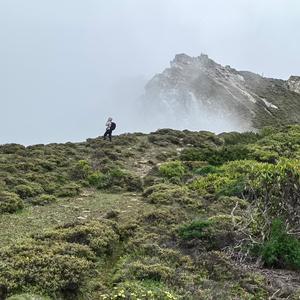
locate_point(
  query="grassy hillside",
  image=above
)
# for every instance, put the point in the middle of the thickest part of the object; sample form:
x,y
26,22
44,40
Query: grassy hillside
x,y
169,215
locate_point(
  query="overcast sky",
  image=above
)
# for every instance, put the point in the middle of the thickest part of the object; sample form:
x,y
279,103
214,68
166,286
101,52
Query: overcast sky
x,y
65,65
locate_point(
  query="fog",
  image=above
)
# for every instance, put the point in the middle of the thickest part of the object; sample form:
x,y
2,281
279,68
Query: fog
x,y
66,65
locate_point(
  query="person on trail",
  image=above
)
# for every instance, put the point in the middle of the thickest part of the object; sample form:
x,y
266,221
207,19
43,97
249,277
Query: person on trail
x,y
110,126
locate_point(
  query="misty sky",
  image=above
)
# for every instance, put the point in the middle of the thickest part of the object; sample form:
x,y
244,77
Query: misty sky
x,y
66,65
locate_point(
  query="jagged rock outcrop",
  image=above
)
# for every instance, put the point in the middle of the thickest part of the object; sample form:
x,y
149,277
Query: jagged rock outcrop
x,y
294,84
198,93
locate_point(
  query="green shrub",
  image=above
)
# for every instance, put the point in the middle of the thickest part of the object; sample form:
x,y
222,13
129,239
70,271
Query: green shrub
x,y
201,139
162,216
192,154
227,180
11,148
58,261
215,232
172,169
12,181
10,168
101,237
274,188
206,170
233,138
216,156
24,191
143,268
69,190
43,199
219,184
133,183
195,165
47,268
156,271
281,250
95,178
161,140
116,177
28,190
166,194
278,187
10,202
50,187
47,165
264,154
195,229
81,170
277,143
126,139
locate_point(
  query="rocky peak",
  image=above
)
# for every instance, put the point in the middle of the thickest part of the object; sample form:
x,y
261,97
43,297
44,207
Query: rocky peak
x,y
198,93
183,60
293,84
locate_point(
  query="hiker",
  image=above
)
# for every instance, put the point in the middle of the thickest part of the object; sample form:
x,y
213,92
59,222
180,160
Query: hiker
x,y
110,126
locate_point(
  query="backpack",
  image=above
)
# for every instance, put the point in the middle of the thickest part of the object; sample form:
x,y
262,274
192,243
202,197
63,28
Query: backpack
x,y
113,126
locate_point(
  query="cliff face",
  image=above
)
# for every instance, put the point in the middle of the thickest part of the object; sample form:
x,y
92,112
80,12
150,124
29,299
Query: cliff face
x,y
198,93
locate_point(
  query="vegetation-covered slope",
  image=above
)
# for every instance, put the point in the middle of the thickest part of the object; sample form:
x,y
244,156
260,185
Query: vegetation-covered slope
x,y
169,215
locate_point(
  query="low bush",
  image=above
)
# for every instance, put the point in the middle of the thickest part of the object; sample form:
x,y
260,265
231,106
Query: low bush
x,y
201,139
278,188
195,229
57,262
11,148
95,178
126,139
205,170
213,233
133,182
100,236
219,184
233,138
172,169
81,170
149,271
116,177
264,154
280,250
28,190
50,187
43,199
192,154
10,202
230,179
166,137
49,268
69,190
161,265
162,216
216,156
166,194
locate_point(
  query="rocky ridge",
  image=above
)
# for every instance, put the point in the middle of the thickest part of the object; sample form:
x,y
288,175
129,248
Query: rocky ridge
x,y
197,92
